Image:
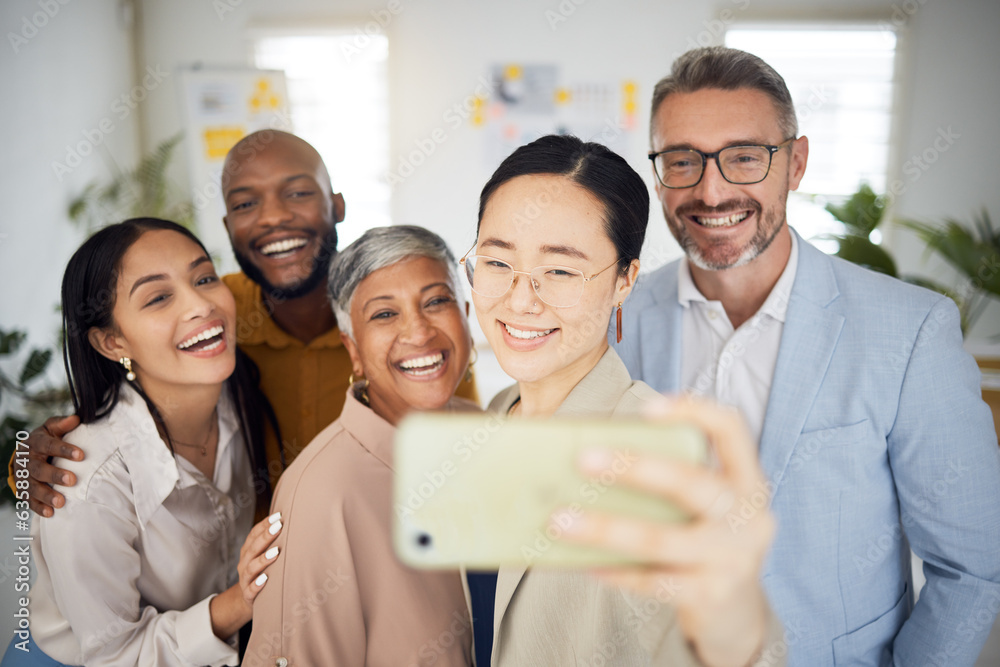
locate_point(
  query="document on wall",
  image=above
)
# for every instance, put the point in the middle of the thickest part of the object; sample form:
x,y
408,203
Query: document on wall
x,y
221,106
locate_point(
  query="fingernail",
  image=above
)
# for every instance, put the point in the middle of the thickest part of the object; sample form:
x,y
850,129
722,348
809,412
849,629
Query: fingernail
x,y
271,553
260,580
65,479
596,459
274,517
274,528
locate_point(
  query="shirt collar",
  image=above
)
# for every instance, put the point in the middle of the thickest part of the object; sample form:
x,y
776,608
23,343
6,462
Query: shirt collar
x,y
776,304
376,434
151,465
255,326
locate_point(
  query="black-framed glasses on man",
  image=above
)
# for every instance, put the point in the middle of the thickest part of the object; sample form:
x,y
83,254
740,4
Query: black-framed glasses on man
x,y
558,286
740,165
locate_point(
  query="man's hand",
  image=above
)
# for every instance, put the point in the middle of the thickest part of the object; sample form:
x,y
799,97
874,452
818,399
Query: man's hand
x,y
710,565
44,442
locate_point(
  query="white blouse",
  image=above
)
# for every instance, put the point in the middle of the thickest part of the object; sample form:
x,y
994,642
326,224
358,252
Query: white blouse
x,y
126,570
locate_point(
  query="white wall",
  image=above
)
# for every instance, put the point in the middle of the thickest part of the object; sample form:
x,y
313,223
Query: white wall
x,y
58,85
59,89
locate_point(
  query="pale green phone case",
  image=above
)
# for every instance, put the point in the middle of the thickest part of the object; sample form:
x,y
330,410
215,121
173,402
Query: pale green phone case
x,y
478,491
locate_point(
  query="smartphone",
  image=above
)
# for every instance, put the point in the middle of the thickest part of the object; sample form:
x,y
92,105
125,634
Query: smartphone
x,y
478,491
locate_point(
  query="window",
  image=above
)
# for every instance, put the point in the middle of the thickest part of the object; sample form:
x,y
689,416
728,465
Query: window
x,y
338,92
842,81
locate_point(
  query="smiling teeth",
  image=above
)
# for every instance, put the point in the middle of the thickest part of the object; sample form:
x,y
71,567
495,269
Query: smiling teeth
x,y
526,335
282,246
204,335
727,221
423,365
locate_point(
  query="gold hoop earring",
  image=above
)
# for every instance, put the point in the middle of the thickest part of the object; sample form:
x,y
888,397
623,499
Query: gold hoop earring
x,y
127,363
472,362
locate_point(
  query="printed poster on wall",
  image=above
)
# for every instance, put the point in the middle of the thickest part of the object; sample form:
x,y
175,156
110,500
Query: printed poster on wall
x,y
221,106
529,101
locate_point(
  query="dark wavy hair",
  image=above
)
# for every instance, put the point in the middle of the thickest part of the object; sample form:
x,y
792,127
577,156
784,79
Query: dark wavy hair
x,y
599,170
88,299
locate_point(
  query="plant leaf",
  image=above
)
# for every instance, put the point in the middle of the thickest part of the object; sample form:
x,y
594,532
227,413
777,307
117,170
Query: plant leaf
x,y
861,251
36,365
978,260
9,342
861,213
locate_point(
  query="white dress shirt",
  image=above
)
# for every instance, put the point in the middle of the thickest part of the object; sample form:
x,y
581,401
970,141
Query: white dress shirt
x,y
734,367
126,570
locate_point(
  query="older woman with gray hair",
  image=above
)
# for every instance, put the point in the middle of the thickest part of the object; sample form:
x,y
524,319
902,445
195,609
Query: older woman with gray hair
x,y
338,596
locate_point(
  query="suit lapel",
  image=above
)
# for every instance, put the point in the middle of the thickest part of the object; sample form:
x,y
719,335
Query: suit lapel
x,y
808,340
596,395
661,332
507,580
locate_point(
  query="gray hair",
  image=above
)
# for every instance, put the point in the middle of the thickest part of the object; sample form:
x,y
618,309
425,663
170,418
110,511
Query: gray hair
x,y
376,249
728,69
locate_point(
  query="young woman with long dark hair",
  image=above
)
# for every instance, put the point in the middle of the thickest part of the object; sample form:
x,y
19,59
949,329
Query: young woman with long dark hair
x,y
153,560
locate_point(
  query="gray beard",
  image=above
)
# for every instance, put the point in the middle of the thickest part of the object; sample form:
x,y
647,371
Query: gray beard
x,y
758,244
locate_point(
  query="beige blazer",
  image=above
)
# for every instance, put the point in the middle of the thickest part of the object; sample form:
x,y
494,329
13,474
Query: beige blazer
x,y
337,596
550,617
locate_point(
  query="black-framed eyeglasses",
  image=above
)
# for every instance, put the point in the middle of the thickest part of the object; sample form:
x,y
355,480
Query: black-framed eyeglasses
x,y
558,286
740,165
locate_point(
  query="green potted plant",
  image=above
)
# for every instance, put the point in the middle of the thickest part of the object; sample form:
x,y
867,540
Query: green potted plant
x,y
974,253
861,215
142,191
26,398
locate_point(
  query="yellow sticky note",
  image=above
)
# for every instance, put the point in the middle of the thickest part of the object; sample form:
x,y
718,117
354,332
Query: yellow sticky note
x,y
218,140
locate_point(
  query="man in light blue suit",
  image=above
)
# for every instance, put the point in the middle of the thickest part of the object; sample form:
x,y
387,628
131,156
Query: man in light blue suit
x,y
873,433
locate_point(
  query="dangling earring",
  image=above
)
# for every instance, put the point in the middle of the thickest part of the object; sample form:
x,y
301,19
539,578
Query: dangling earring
x,y
127,363
468,369
618,323
364,388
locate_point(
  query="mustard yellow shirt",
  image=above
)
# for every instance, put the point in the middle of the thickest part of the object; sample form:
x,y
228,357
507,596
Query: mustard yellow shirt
x,y
305,382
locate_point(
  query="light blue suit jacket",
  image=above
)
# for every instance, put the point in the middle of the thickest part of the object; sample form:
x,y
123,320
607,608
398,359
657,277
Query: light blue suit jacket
x,y
875,439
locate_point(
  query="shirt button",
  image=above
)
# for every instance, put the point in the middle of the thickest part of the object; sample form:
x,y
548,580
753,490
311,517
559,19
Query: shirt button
x,y
712,315
281,662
